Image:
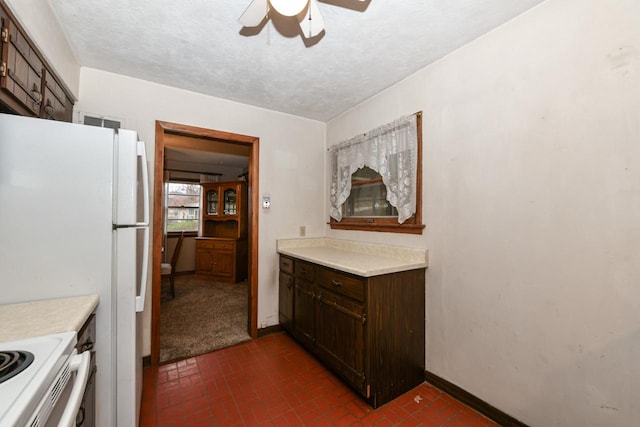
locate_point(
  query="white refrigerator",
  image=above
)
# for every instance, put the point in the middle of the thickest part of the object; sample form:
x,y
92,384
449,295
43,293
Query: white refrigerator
x,y
74,220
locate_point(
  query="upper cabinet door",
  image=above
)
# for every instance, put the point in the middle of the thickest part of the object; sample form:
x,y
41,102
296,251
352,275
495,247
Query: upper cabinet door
x,y
21,69
28,85
56,104
212,201
230,201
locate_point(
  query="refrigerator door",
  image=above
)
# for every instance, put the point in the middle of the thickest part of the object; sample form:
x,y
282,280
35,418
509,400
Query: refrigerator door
x,y
129,271
131,255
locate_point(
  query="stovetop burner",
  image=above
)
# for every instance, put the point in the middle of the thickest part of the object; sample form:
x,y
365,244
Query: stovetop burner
x,y
21,395
13,362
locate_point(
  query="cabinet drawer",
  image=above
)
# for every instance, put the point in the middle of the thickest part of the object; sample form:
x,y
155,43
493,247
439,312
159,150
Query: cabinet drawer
x,y
286,265
305,270
343,284
204,244
225,245
215,244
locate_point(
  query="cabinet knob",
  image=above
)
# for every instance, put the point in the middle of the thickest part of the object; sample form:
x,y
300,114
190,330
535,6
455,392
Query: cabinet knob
x,y
337,284
35,92
48,109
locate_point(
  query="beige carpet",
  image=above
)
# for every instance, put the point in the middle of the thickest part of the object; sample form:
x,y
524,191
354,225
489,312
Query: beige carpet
x,y
204,316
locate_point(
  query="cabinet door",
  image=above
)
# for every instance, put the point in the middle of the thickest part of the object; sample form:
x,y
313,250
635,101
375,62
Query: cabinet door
x,y
56,104
230,201
204,261
285,299
212,201
304,311
340,335
21,75
223,263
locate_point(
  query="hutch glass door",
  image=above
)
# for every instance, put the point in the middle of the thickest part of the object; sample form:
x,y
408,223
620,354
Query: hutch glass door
x,y
230,202
212,202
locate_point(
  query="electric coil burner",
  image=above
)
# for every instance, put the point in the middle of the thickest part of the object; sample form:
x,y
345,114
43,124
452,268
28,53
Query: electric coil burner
x,y
28,368
13,362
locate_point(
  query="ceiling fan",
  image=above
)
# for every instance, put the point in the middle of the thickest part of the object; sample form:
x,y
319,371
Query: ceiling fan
x,y
311,22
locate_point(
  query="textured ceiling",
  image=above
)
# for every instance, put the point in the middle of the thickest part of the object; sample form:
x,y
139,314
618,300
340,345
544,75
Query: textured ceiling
x,y
200,46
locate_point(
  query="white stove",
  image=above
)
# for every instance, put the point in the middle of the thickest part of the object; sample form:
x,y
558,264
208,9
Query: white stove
x,y
22,395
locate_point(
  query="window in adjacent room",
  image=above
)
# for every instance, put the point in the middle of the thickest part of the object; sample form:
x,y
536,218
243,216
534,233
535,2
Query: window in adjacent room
x,y
376,179
183,206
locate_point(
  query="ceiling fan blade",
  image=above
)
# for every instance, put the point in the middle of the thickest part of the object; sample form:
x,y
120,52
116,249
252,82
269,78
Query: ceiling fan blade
x,y
254,14
313,27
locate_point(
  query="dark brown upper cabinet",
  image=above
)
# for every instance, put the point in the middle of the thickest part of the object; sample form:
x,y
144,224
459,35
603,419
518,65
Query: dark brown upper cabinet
x,y
28,85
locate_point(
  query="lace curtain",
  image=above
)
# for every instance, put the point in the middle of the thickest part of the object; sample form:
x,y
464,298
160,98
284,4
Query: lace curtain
x,y
392,151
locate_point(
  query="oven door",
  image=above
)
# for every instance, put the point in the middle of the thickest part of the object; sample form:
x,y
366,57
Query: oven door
x,y
66,403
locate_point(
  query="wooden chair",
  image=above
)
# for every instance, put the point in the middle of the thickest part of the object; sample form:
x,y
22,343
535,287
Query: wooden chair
x,y
169,270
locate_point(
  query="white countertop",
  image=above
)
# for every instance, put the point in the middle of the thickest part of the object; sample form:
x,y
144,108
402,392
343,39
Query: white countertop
x,y
31,319
362,259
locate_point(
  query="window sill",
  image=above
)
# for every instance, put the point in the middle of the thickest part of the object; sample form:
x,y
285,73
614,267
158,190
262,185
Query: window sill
x,y
381,227
176,234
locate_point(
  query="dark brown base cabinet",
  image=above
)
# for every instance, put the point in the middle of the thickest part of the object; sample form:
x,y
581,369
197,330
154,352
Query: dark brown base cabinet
x,y
369,330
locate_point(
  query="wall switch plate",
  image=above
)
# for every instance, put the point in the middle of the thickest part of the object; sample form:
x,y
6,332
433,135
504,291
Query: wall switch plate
x,y
303,231
266,201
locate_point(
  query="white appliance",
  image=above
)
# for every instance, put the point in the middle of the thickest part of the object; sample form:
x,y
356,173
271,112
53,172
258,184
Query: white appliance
x,y
43,381
74,215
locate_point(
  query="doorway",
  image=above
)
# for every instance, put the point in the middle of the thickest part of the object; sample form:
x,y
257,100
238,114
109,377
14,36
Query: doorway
x,y
204,140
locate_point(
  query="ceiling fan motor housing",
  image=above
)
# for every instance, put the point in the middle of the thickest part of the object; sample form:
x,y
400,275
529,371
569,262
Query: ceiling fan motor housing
x,y
289,7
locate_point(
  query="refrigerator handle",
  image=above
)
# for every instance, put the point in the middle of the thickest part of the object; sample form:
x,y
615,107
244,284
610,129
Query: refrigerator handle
x,y
142,153
143,279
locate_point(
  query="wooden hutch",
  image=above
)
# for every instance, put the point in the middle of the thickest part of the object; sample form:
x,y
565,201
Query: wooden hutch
x,y
221,248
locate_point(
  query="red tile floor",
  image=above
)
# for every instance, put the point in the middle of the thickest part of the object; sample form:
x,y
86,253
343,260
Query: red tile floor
x,y
272,381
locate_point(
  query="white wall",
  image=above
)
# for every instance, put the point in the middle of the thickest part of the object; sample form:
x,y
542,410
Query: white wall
x,y
532,211
43,28
289,151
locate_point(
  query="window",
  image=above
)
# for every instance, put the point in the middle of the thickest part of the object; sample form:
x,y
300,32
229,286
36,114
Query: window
x,y
376,182
368,197
99,121
183,206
